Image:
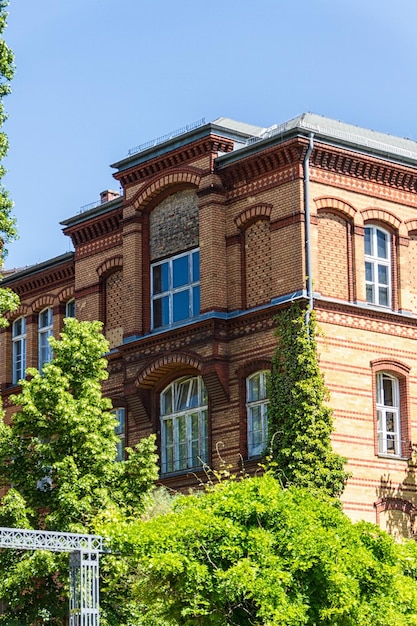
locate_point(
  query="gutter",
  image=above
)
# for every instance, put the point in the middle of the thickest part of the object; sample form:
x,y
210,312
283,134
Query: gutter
x,y
309,270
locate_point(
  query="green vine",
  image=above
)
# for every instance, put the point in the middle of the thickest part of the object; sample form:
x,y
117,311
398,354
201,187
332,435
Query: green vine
x,y
300,422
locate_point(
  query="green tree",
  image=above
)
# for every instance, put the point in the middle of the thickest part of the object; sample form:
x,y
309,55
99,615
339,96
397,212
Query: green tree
x,y
300,422
251,553
9,301
59,455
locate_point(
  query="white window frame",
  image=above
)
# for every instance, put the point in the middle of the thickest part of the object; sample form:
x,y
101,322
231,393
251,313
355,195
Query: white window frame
x,y
375,265
169,294
388,415
120,430
184,404
18,349
45,330
70,308
257,413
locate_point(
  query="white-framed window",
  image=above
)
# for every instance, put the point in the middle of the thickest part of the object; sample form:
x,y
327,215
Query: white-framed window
x,y
388,414
45,330
378,266
184,425
70,308
257,412
120,431
18,349
175,289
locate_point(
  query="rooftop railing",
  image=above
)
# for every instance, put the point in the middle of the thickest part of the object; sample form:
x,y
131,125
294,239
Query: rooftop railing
x,y
167,137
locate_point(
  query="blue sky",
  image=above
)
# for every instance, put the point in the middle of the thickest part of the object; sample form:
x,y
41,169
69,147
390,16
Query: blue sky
x,y
97,77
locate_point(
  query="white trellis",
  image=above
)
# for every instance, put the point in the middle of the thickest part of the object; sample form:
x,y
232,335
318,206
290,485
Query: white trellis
x,y
84,551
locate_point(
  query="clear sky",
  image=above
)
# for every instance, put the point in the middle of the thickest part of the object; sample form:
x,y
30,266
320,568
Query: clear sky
x,y
97,77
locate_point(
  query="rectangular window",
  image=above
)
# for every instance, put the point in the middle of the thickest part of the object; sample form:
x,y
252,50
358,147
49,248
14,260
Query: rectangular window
x,y
44,332
388,415
120,431
175,288
19,349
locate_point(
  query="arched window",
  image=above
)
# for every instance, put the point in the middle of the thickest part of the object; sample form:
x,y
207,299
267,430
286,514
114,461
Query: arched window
x,y
184,425
257,412
378,266
45,329
19,349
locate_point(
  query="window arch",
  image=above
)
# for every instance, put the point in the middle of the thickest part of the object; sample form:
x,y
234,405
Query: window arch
x,y
184,417
378,266
257,412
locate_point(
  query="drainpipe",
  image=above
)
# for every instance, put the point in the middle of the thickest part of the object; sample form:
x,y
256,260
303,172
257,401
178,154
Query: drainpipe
x,y
309,271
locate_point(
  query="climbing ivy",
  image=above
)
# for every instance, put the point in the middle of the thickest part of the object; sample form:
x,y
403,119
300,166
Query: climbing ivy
x,y
300,421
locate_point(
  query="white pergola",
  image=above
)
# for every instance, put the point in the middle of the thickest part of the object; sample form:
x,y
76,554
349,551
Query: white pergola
x,y
84,551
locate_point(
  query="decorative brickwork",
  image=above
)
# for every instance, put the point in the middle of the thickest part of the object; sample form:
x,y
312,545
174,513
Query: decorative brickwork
x,y
173,225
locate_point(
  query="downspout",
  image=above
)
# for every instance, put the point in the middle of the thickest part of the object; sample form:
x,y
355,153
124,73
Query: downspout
x,y
309,270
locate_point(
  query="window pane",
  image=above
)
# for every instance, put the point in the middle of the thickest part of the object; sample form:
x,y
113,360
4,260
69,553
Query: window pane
x,y
161,312
382,244
193,400
196,300
196,267
70,309
181,305
169,433
383,296
369,272
391,444
180,273
368,241
383,274
182,396
370,296
160,276
166,401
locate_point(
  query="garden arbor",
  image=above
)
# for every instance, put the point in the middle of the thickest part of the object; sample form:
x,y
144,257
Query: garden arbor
x,y
84,551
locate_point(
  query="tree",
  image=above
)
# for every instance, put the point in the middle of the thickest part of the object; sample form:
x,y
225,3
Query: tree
x,y
59,455
9,301
300,422
251,553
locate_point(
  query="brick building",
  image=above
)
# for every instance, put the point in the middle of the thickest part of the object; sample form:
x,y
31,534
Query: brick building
x,y
214,232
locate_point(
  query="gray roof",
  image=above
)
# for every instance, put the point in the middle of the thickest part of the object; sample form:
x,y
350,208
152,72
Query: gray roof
x,y
338,133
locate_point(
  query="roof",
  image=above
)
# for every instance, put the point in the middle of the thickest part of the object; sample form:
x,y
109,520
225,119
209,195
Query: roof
x,y
11,276
337,133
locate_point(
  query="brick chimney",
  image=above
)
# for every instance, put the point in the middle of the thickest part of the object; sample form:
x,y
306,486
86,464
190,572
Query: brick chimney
x,y
108,195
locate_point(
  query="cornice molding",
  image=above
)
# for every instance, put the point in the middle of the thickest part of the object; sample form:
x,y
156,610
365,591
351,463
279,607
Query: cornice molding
x,y
96,228
30,285
180,156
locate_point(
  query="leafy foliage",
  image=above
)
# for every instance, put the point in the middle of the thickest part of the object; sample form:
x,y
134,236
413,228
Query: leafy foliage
x,y
9,301
251,553
59,455
300,422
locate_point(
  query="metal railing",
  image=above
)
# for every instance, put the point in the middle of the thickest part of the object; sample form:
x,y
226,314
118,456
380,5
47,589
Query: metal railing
x,y
358,139
167,137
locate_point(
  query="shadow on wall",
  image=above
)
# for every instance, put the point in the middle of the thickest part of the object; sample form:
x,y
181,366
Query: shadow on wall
x,y
395,513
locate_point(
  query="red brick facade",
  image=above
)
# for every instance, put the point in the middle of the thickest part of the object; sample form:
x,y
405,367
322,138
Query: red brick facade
x,y
236,196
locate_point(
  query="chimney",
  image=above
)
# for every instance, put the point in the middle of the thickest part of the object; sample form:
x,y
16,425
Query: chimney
x,y
108,196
